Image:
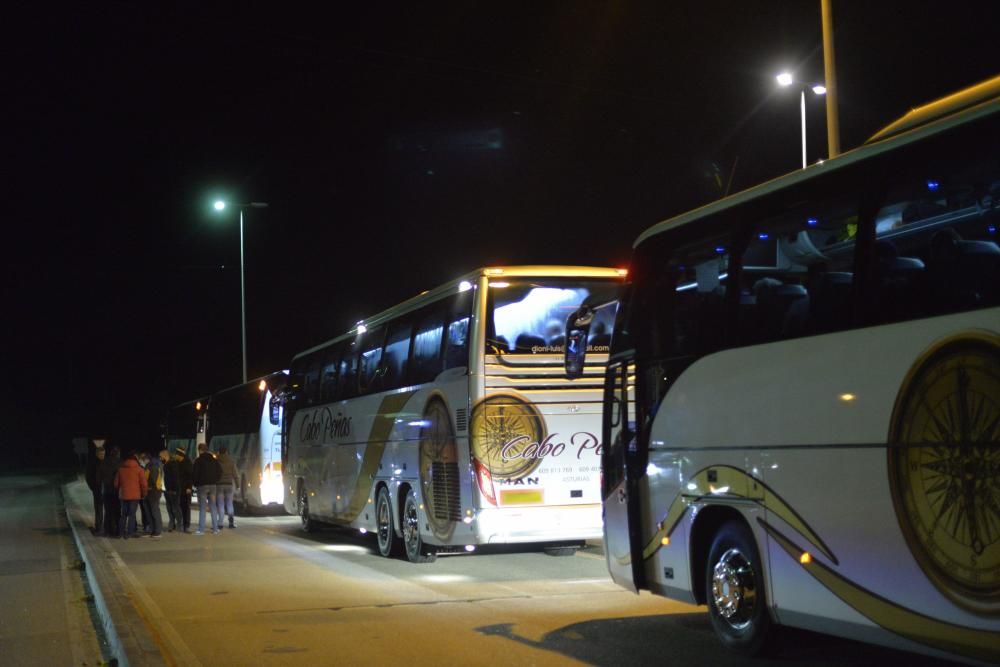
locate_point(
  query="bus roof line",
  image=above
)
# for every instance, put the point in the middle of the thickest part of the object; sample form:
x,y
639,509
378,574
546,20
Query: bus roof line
x,y
864,152
441,291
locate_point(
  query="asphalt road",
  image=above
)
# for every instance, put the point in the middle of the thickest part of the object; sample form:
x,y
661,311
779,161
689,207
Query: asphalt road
x,y
267,594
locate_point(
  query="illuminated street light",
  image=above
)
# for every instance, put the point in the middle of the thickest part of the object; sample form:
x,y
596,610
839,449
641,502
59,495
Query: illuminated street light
x,y
785,79
220,205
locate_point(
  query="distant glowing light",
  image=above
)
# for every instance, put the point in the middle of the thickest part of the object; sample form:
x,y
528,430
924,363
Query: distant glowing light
x,y
470,547
719,250
665,541
847,398
785,79
363,531
763,236
805,558
812,222
499,284
992,229
467,520
197,406
819,89
362,328
464,286
262,386
933,185
623,272
219,205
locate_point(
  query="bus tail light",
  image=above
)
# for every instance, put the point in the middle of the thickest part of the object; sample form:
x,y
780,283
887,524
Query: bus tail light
x,y
485,480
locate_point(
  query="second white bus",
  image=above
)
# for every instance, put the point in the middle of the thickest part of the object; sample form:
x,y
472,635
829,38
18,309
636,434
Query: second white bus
x,y
446,422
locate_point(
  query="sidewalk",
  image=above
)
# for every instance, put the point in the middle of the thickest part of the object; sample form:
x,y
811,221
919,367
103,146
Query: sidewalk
x,y
132,640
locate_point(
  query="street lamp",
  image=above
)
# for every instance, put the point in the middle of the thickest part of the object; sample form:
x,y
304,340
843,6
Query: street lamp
x,y
220,206
785,79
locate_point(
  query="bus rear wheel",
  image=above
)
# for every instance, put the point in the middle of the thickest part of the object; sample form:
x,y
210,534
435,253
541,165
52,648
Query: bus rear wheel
x,y
734,582
388,543
416,550
308,523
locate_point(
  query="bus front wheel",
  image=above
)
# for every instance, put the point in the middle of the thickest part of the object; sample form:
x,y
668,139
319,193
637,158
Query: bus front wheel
x,y
734,582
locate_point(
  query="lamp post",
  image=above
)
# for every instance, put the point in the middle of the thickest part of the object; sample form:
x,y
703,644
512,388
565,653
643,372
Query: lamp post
x,y
220,205
785,79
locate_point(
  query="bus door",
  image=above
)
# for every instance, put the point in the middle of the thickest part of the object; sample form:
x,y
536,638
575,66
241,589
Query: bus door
x,y
619,487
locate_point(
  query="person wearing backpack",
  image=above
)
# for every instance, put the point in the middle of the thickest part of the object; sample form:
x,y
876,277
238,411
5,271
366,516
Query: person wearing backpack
x,y
207,472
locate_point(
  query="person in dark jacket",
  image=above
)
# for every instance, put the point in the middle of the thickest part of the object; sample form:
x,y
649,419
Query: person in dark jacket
x,y
207,472
185,482
106,471
93,483
132,487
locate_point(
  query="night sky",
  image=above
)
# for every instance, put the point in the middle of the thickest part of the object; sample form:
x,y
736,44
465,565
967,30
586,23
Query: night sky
x,y
398,146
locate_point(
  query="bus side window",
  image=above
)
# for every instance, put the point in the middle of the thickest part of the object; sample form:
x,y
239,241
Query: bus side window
x,y
937,248
310,385
369,361
427,340
395,359
328,379
456,353
347,382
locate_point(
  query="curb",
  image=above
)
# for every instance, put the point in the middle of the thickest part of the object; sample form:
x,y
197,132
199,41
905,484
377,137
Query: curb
x,y
129,639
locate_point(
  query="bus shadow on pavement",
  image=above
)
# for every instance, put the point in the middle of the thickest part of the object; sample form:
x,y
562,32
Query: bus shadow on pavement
x,y
688,639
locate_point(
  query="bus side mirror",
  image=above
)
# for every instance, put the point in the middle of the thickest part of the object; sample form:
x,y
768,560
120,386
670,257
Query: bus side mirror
x,y
577,333
291,389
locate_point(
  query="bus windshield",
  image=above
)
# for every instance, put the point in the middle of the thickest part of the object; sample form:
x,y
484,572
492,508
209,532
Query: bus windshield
x,y
528,316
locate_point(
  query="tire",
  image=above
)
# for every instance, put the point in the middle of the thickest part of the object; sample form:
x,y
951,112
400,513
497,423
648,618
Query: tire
x,y
416,550
385,533
734,587
309,524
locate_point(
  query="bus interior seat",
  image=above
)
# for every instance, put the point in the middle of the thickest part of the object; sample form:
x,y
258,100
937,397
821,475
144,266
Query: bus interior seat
x,y
826,306
773,301
527,341
967,275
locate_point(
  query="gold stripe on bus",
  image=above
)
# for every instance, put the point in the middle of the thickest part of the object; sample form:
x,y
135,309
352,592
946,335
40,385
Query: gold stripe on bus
x,y
521,497
978,644
385,418
731,482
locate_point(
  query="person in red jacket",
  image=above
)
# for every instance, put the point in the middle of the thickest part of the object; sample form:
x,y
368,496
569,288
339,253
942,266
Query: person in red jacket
x,y
132,486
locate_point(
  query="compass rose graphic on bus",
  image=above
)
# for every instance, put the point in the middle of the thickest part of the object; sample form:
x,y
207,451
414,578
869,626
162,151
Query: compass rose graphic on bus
x,y
944,469
503,426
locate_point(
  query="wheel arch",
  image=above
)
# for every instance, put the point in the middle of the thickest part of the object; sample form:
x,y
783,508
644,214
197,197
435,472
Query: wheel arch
x,y
706,524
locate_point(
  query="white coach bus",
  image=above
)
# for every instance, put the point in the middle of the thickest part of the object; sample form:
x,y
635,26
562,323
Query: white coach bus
x,y
802,403
447,422
246,420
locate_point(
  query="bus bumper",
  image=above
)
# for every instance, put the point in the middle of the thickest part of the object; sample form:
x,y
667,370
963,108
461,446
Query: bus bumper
x,y
538,524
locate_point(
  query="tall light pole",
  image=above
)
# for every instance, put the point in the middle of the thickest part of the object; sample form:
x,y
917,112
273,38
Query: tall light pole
x,y
220,205
785,79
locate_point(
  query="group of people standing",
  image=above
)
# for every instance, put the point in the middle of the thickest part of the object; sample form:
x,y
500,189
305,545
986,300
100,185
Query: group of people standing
x,y
121,485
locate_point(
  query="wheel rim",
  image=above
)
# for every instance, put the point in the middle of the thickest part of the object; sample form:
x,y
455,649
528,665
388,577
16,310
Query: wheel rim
x,y
304,510
734,589
384,520
411,526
